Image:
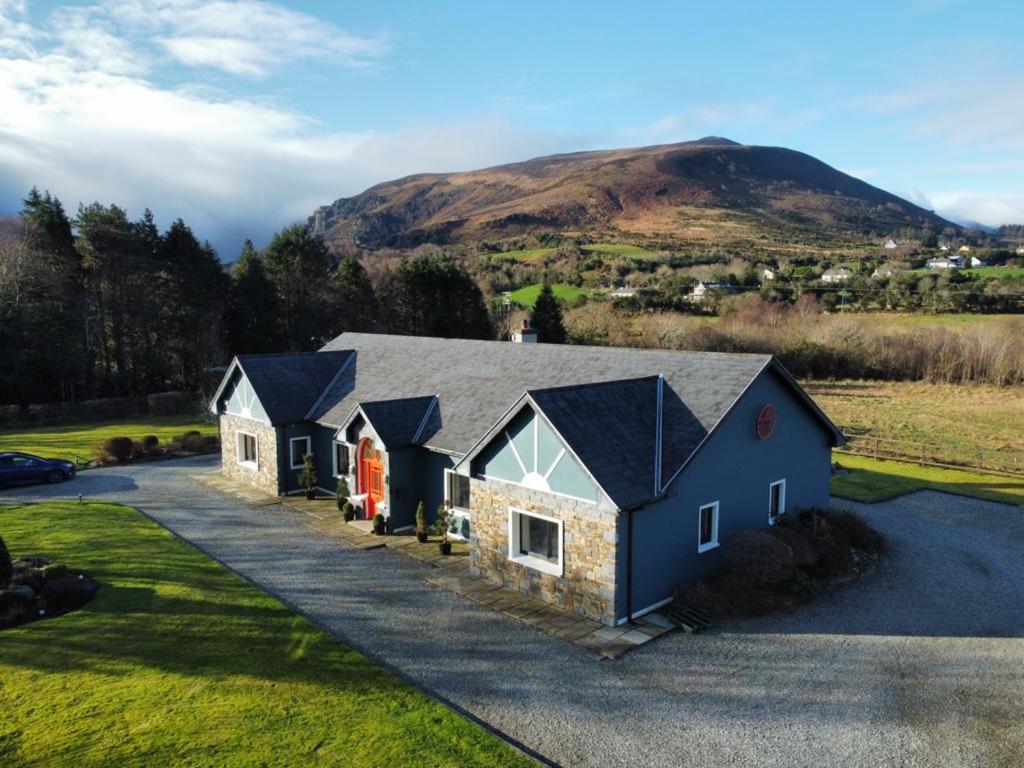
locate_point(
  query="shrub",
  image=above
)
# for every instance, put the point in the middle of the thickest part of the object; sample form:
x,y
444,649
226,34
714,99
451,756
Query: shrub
x,y
138,449
54,571
861,535
441,525
421,518
307,477
342,495
211,441
349,512
757,558
191,441
120,449
6,566
804,553
150,442
101,455
835,555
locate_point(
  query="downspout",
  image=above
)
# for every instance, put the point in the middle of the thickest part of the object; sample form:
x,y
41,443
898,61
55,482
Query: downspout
x,y
629,566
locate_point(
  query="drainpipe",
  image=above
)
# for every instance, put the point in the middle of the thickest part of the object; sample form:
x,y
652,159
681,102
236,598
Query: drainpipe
x,y
629,566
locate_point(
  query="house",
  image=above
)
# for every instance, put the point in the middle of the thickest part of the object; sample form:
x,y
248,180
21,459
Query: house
x,y
891,244
1020,251
943,247
622,293
964,249
976,262
597,479
946,262
882,273
836,275
701,288
767,274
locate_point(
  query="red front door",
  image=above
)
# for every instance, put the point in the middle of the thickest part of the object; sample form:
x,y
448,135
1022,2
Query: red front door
x,y
371,482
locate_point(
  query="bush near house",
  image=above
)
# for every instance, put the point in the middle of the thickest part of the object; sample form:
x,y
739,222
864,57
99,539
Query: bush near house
x,y
779,567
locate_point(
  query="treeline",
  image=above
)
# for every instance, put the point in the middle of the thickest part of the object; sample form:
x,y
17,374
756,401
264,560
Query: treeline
x,y
812,344
103,305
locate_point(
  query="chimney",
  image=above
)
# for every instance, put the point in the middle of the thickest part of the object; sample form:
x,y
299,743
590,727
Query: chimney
x,y
525,335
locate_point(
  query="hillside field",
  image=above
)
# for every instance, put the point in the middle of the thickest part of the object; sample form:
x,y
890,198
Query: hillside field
x,y
527,296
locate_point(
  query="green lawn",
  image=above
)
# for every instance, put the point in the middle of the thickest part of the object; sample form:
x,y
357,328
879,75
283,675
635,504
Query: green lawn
x,y
179,662
995,271
75,441
614,249
527,296
871,480
526,254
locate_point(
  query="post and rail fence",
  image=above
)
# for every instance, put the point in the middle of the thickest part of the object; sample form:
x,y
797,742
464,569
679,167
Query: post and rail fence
x,y
861,442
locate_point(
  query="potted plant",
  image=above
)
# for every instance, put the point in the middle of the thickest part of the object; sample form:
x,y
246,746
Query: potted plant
x,y
441,526
307,477
342,498
378,524
421,524
349,512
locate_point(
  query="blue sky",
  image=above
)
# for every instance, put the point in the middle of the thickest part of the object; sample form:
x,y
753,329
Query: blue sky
x,y
243,116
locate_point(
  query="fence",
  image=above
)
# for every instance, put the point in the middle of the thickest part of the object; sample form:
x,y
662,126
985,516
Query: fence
x,y
863,443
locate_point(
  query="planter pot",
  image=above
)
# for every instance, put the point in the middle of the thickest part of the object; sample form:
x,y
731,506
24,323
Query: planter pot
x,y
310,495
421,537
445,547
378,529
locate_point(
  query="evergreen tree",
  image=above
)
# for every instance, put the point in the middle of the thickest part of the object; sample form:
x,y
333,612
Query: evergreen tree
x,y
252,315
432,296
298,264
355,301
546,317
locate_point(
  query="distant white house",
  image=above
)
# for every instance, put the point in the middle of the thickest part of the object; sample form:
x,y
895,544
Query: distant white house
x,y
964,249
767,274
836,275
891,244
976,262
701,288
622,293
1020,251
944,247
884,272
946,262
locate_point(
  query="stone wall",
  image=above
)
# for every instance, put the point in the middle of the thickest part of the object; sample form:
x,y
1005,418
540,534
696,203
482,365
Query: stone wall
x,y
265,477
589,535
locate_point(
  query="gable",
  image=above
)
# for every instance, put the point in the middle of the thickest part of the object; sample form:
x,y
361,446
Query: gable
x,y
239,399
528,453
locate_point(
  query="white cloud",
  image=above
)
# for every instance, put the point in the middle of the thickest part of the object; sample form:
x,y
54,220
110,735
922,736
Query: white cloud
x,y
992,210
88,125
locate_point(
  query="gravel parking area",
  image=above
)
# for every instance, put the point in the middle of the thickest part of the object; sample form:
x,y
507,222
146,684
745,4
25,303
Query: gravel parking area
x,y
919,664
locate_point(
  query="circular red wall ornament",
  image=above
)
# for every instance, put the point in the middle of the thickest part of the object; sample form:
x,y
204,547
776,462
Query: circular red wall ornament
x,y
766,420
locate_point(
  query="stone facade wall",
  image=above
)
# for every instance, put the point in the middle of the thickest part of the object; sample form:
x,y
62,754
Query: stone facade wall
x,y
265,477
589,549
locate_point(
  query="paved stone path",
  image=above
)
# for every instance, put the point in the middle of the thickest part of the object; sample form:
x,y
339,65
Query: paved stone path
x,y
919,664
453,574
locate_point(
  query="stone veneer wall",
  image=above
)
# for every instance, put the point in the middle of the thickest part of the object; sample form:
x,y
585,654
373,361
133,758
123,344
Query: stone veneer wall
x,y
265,478
587,584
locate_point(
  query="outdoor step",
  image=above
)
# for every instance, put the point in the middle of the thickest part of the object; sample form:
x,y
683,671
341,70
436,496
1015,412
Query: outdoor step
x,y
690,620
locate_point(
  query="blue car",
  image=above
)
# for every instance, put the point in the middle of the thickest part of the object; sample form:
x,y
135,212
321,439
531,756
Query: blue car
x,y
18,468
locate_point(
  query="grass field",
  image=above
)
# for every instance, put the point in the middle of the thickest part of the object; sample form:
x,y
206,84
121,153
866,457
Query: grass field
x,y
179,662
527,254
995,271
899,320
870,481
527,296
966,417
75,441
621,251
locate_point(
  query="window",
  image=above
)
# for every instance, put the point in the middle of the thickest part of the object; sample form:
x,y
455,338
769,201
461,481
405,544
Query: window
x,y
535,541
247,454
341,465
299,447
456,490
707,531
776,500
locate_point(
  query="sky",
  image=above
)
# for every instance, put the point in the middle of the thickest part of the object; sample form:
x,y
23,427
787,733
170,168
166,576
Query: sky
x,y
242,117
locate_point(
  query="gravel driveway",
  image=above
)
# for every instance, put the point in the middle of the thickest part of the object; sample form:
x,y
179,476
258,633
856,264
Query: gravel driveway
x,y
918,664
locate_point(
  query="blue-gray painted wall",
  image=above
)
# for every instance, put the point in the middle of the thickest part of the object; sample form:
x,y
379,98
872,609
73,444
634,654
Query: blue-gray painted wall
x,y
734,468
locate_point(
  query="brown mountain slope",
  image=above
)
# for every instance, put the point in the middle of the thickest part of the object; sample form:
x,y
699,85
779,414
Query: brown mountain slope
x,y
712,189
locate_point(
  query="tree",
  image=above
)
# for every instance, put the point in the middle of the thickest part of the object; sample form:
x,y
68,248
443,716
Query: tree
x,y
298,264
432,296
252,308
355,302
546,317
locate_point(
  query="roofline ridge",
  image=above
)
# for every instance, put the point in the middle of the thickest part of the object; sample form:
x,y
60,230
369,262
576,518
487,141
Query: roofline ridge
x,y
588,385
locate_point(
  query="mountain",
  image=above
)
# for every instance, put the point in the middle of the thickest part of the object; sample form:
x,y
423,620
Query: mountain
x,y
712,191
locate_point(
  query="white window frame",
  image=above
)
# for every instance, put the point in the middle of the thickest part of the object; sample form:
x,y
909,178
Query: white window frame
x,y
446,491
291,454
255,465
334,457
782,500
545,566
714,527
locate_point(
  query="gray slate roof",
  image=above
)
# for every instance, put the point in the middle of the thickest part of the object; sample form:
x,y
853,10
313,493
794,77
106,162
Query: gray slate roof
x,y
396,422
478,381
289,384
